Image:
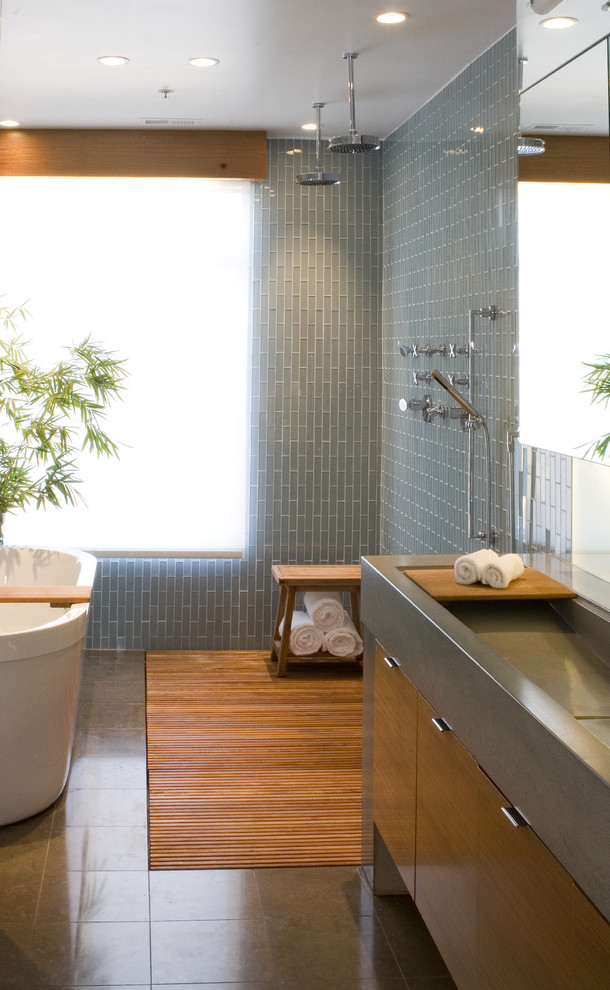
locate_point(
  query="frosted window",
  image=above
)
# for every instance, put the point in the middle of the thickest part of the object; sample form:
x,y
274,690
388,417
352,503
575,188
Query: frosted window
x,y
159,271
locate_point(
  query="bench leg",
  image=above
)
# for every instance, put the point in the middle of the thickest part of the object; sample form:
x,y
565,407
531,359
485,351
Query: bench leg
x,y
281,609
285,640
355,600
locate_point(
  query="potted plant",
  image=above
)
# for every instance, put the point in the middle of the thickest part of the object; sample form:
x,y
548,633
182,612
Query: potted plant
x,y
47,416
597,381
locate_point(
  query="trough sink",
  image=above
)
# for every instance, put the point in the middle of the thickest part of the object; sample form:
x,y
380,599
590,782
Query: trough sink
x,y
563,647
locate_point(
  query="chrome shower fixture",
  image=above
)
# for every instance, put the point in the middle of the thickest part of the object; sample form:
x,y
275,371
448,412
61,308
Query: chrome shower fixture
x,y
319,177
543,6
465,404
530,146
474,422
353,142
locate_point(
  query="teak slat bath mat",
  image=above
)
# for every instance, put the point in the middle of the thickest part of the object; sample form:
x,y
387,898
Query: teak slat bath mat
x,y
246,769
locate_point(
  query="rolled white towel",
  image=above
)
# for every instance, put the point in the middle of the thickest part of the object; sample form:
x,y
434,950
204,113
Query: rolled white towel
x,y
470,567
344,641
305,638
325,609
500,573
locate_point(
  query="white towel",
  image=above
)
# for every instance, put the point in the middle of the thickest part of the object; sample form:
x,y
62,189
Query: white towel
x,y
344,641
500,573
325,608
470,567
305,638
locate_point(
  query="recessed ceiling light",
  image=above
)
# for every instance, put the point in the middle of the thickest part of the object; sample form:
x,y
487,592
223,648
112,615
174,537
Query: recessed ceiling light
x,y
309,127
558,23
112,60
9,123
203,62
392,17
477,129
294,151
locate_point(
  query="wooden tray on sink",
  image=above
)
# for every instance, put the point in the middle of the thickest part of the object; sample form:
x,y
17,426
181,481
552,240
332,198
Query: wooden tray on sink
x,y
441,584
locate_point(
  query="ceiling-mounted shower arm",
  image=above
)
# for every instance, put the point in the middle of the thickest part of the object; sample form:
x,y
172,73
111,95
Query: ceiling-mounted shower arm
x,y
353,142
319,177
351,96
318,108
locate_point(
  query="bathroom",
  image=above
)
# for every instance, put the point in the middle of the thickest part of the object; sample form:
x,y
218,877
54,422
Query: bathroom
x,y
389,482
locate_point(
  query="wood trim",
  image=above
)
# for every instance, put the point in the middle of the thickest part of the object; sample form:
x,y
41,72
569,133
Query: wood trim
x,y
568,159
134,153
61,596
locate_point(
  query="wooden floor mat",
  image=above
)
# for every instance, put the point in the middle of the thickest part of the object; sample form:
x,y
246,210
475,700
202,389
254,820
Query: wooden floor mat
x,y
246,769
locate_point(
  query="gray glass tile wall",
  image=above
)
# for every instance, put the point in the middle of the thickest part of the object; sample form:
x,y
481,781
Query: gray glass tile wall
x,y
313,494
450,247
543,488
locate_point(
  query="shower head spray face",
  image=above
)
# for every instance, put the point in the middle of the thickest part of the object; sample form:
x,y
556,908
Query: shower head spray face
x,y
530,146
353,143
319,177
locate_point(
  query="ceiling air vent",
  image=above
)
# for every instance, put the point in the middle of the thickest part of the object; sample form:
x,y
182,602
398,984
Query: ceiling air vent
x,y
171,121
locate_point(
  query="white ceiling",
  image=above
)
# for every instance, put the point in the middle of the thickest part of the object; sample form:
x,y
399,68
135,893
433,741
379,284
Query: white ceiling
x,y
575,99
277,57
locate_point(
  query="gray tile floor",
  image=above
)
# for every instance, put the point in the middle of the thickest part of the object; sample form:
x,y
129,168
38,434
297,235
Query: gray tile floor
x,y
79,907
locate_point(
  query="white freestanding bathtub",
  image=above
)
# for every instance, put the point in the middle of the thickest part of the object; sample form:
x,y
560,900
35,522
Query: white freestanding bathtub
x,y
40,654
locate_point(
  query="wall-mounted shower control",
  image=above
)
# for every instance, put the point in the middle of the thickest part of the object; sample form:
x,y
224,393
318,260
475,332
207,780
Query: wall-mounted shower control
x,y
432,409
458,379
455,351
422,376
428,350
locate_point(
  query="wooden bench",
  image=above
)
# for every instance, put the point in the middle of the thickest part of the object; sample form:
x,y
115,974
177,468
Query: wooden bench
x,y
293,578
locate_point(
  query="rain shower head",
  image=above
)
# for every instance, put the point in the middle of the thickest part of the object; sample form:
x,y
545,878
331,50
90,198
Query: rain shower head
x,y
465,404
319,178
353,142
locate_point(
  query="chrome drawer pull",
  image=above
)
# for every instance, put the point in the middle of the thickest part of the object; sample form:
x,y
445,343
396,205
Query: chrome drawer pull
x,y
441,725
391,662
515,817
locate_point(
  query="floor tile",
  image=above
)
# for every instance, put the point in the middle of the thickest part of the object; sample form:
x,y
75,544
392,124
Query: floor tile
x,y
19,893
210,951
16,966
337,952
100,953
438,983
94,896
191,895
110,716
414,948
119,742
92,848
24,845
314,892
101,807
118,772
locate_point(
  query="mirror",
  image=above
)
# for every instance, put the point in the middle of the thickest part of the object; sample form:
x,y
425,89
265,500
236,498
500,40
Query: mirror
x,y
564,218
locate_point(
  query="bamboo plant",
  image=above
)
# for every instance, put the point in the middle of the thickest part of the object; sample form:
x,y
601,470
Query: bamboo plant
x,y
597,382
48,416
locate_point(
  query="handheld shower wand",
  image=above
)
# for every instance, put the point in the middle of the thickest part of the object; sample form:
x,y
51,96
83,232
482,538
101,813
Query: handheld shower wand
x,y
464,403
477,420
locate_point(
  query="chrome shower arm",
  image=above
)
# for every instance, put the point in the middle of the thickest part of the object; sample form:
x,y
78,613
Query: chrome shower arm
x,y
351,95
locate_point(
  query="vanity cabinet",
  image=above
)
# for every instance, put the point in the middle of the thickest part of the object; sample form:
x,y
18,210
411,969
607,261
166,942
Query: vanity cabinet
x,y
502,910
446,875
394,773
524,903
